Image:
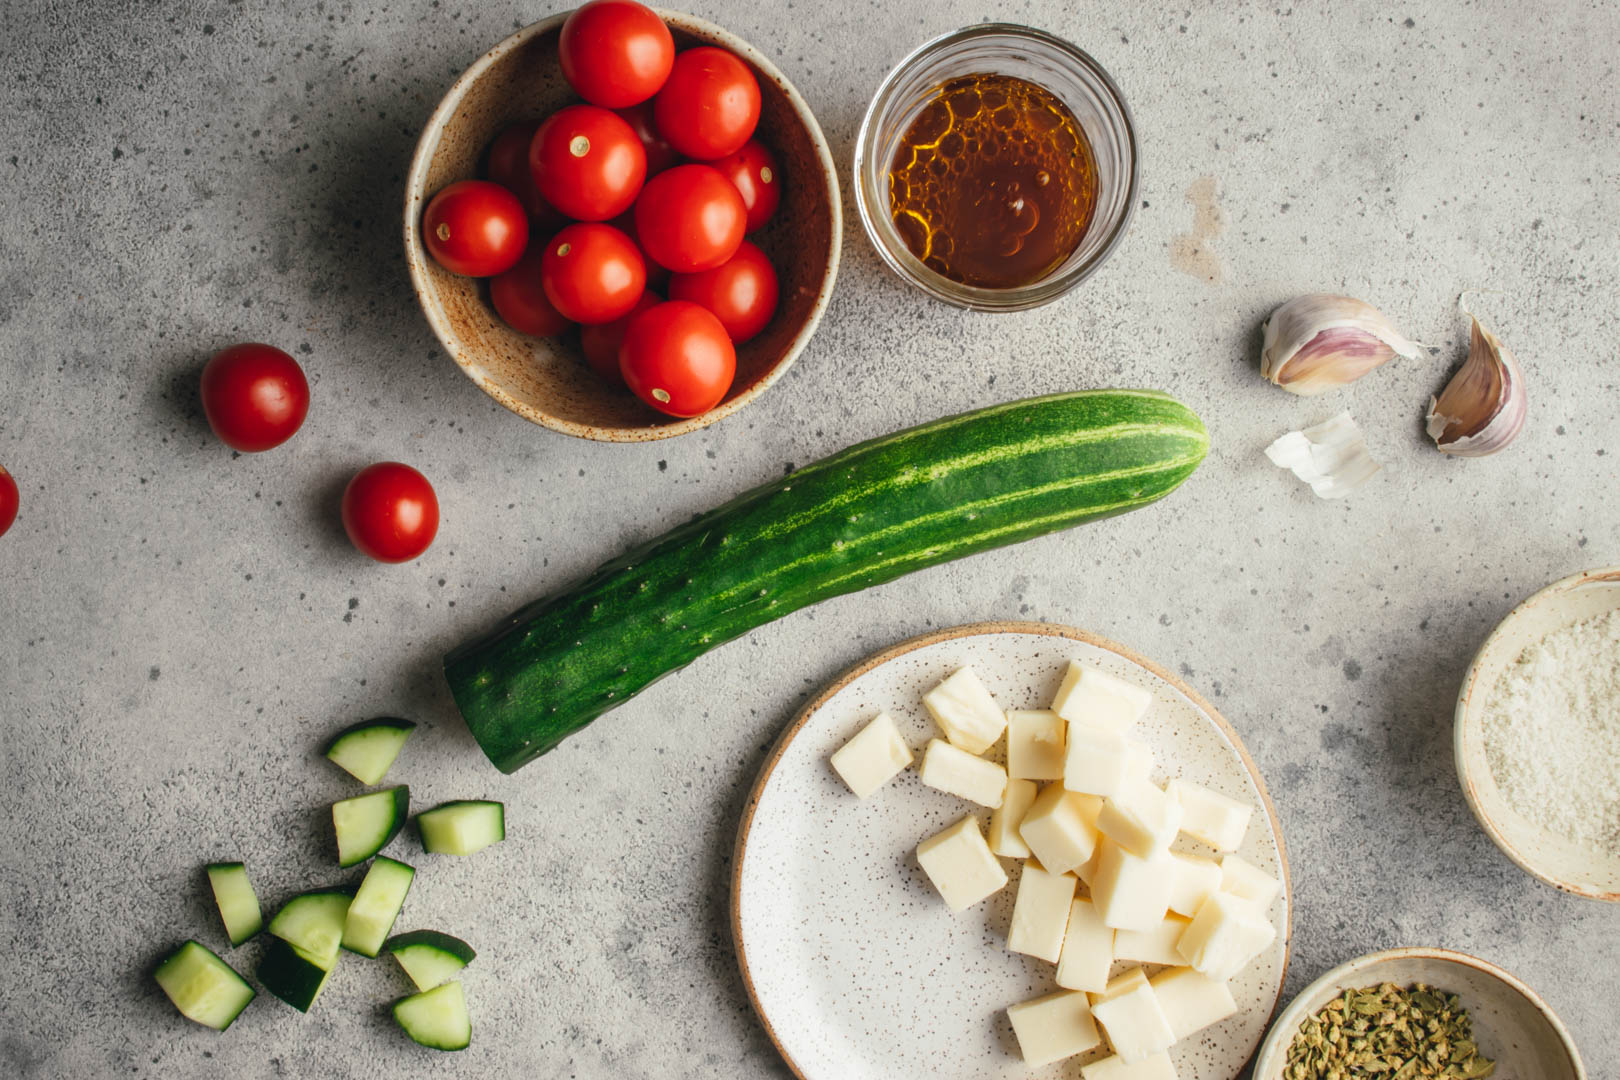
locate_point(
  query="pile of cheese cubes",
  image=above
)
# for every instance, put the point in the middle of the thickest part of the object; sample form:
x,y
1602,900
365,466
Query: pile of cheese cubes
x,y
1098,820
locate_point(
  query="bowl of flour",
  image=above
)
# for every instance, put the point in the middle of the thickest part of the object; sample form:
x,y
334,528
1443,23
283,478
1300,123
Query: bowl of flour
x,y
1537,738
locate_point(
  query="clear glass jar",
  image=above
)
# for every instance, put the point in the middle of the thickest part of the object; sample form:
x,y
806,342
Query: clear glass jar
x,y
1000,49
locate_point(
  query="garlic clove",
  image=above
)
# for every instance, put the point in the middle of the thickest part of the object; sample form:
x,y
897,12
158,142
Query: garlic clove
x,y
1317,342
1483,407
1332,456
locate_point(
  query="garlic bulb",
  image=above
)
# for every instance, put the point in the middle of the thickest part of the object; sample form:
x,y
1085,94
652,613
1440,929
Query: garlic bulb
x,y
1482,408
1317,342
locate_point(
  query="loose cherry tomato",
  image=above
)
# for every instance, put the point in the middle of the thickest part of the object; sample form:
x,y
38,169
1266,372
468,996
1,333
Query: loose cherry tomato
x,y
509,167
592,273
615,52
601,342
741,293
587,162
520,298
677,358
660,155
10,499
690,218
758,178
255,397
390,512
476,228
710,105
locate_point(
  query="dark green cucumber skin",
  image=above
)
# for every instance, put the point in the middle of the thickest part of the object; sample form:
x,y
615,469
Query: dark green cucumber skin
x,y
289,976
393,722
859,518
433,939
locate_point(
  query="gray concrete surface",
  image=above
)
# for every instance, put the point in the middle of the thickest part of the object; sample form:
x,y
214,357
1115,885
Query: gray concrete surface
x,y
180,628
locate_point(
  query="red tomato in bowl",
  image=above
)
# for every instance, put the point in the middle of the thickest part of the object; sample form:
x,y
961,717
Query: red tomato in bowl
x,y
390,512
255,397
10,499
710,105
677,358
758,178
587,162
690,218
660,155
592,273
520,299
601,342
615,53
508,166
741,293
475,228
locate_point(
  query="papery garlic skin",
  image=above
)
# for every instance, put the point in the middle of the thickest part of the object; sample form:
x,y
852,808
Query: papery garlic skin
x,y
1317,342
1483,407
1332,456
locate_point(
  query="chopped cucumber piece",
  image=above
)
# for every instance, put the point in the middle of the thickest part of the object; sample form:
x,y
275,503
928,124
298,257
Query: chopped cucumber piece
x,y
436,1018
365,823
313,921
376,905
238,903
203,987
429,957
462,827
292,974
366,750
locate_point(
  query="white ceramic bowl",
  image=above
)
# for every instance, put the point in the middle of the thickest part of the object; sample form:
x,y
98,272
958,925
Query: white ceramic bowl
x,y
1551,858
1512,1025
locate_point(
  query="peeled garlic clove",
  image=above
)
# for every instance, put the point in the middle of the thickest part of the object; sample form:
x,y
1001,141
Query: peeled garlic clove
x,y
1317,342
1482,408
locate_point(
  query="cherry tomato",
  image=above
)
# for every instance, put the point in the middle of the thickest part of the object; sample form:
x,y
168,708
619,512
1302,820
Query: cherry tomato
x,y
520,298
255,397
758,178
592,273
601,342
690,218
660,155
587,162
509,167
710,105
390,512
615,52
10,498
741,293
677,358
476,228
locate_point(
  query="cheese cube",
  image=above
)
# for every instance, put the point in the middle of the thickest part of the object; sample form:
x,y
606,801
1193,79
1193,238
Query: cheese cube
x,y
873,757
1138,759
1061,828
1135,1024
1097,760
1087,871
1129,979
1004,822
958,772
965,711
1090,696
1154,946
1053,1027
1139,818
1192,1002
1088,950
1132,893
1157,1067
1196,878
1240,877
960,865
1034,744
1225,935
1041,913
1209,816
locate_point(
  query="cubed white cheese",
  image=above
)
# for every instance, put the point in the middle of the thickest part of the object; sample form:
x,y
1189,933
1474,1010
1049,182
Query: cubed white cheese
x,y
1153,946
1192,1001
957,772
1225,935
1140,818
1196,878
1132,893
1088,949
1088,695
1053,1027
1138,759
1034,744
1041,913
876,755
965,711
1060,828
1157,1067
1210,817
1005,819
1240,877
960,865
1097,760
1127,980
1135,1024
1087,871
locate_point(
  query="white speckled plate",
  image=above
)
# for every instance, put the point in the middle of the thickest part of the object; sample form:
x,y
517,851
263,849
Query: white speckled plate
x,y
855,965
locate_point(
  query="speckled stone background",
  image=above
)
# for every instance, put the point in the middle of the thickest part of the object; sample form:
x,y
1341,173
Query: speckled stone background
x,y
180,628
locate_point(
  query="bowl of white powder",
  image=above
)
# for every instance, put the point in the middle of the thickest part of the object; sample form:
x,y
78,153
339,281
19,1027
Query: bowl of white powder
x,y
1538,734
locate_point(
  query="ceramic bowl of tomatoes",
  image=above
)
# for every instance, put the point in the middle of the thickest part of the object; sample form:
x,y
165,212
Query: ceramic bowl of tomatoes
x,y
640,248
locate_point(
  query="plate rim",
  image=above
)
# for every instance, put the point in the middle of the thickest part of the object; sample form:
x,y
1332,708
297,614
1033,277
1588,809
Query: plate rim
x,y
978,629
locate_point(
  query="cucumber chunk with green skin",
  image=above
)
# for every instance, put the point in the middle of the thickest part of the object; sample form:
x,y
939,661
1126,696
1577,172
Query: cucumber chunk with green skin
x,y
292,975
462,827
366,823
376,905
238,903
202,986
436,1018
314,922
429,957
366,750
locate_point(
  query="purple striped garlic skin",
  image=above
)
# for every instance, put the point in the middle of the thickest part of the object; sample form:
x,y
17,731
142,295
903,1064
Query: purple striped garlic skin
x,y
1317,342
1484,406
